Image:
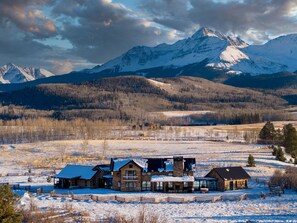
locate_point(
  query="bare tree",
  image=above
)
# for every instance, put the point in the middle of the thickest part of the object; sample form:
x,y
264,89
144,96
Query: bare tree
x,y
104,148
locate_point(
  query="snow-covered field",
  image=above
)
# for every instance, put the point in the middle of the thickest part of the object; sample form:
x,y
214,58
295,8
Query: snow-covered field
x,y
171,114
44,157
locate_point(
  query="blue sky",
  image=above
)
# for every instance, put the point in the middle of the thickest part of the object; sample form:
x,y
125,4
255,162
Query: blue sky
x,y
67,35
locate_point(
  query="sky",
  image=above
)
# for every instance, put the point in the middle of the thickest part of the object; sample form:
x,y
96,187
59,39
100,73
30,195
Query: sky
x,y
66,35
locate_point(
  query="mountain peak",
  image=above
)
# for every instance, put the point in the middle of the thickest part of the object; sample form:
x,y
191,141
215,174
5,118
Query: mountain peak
x,y
9,65
11,73
205,31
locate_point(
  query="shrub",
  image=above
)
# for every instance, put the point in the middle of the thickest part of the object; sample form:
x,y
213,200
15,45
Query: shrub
x,y
280,154
49,179
287,180
143,216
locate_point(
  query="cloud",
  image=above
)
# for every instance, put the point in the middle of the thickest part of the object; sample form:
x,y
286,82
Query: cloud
x,y
99,30
265,16
251,19
29,19
169,13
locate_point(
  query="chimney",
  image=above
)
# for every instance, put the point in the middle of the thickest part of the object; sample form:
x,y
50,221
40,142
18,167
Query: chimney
x,y
178,166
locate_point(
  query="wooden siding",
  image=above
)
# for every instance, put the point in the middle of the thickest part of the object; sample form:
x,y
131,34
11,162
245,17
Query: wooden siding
x,y
223,184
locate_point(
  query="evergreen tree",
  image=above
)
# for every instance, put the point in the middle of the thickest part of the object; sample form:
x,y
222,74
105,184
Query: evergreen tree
x,y
7,205
294,154
268,132
290,138
274,150
280,155
251,161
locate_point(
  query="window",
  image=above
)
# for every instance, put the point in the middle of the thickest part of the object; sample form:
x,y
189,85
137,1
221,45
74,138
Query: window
x,y
86,183
130,166
130,173
159,186
197,185
130,185
119,184
170,185
186,184
146,185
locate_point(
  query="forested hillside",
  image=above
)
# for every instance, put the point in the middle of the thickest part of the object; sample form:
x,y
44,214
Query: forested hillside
x,y
133,97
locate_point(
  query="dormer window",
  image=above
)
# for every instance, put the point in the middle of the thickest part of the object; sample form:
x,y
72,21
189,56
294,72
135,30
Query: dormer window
x,y
130,166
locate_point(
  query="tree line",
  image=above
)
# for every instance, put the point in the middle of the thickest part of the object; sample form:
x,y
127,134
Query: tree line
x,y
286,137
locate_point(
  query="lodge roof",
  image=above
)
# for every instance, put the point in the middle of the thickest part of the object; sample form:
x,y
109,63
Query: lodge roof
x,y
76,171
231,173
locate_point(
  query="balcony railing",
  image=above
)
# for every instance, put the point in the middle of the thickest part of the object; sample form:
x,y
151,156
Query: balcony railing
x,y
130,177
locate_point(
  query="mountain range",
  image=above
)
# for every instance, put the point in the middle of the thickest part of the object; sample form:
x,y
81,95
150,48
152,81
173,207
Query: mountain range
x,y
207,53
208,49
10,73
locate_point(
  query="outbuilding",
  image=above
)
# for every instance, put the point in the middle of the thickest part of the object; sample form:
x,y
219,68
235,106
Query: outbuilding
x,y
230,178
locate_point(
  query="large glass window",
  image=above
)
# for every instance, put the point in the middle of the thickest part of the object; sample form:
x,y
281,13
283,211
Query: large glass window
x,y
170,185
186,184
159,186
130,185
130,173
146,185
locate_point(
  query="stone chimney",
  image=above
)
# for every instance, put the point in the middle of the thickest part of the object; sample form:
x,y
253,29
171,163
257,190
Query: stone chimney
x,y
178,166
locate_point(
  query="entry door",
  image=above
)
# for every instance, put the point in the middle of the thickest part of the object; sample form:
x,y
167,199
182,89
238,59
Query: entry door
x,y
231,185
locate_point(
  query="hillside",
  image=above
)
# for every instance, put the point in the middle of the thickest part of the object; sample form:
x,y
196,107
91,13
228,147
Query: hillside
x,y
129,96
282,84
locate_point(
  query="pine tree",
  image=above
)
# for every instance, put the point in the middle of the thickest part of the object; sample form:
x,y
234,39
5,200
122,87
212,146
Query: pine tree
x,y
268,132
7,206
280,155
290,138
251,161
274,150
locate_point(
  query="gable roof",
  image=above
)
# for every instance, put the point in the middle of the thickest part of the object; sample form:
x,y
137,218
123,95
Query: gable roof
x,y
134,162
117,164
102,167
76,171
228,173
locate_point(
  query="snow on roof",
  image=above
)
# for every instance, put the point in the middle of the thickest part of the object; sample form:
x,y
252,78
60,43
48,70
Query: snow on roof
x,y
164,178
76,171
119,163
205,178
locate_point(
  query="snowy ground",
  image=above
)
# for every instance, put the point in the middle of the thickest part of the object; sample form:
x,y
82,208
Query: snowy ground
x,y
43,157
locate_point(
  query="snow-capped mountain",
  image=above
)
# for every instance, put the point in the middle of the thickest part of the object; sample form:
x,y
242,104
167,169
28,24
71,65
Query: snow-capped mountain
x,y
214,50
10,73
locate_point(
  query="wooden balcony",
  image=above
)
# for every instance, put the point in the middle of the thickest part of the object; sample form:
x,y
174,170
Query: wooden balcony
x,y
130,177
